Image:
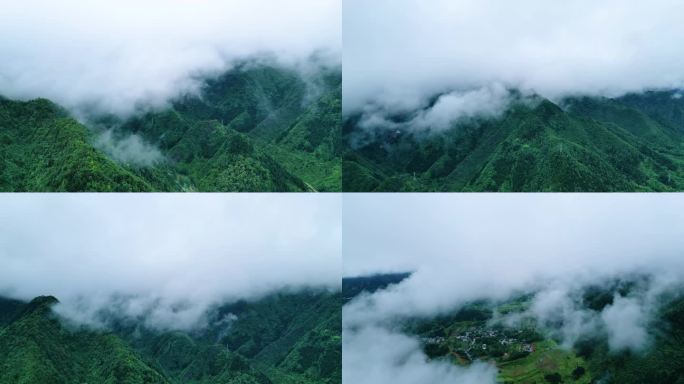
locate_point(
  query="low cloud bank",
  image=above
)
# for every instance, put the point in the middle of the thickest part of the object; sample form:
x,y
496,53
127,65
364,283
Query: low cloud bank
x,y
471,247
163,257
401,54
448,109
373,354
124,56
626,322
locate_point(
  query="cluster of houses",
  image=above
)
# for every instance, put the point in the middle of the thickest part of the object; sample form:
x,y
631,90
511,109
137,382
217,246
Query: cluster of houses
x,y
478,338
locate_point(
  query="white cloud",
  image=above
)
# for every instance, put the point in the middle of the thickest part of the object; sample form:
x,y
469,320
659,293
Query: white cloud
x,y
626,321
465,247
173,255
556,306
398,54
376,355
131,149
114,56
454,106
449,109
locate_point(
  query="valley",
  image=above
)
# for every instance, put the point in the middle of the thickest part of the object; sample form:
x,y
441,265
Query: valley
x,y
256,128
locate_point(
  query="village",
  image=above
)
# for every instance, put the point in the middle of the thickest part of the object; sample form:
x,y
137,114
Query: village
x,y
467,343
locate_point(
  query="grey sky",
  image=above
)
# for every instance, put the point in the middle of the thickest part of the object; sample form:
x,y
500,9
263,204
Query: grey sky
x,y
463,247
177,248
515,235
116,55
397,53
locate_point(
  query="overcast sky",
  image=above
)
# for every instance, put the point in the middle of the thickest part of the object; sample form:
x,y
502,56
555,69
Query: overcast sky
x,y
397,53
194,249
511,234
111,55
463,247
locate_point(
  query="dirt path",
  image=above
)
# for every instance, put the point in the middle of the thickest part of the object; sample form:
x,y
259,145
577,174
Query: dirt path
x,y
311,188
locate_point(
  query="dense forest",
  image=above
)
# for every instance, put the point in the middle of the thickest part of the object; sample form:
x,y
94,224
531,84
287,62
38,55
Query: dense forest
x,y
284,338
630,143
354,286
257,127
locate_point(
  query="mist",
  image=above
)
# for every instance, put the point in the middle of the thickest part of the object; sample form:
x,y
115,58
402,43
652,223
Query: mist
x,y
165,258
125,56
399,55
464,247
453,107
131,149
379,355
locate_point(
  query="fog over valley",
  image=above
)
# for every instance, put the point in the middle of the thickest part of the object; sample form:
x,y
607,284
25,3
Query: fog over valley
x,y
578,266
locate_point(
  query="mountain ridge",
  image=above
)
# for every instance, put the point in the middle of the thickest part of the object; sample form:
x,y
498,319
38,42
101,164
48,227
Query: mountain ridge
x,y
588,145
38,346
254,128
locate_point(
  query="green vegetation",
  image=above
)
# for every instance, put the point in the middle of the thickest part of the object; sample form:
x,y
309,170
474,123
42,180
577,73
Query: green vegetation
x,y
633,143
286,338
36,348
255,128
661,362
527,353
45,150
353,286
547,363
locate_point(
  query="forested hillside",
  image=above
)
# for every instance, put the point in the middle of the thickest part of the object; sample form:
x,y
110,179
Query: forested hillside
x,y
254,128
527,351
281,339
354,286
632,143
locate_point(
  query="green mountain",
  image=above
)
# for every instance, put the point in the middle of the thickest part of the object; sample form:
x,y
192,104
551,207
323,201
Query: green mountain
x,y
281,339
255,128
36,348
527,351
43,149
354,286
632,143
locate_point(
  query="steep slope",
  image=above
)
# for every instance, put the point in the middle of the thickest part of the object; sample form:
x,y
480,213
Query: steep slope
x,y
253,129
285,338
281,339
258,127
42,149
298,333
315,154
529,352
354,286
184,359
36,348
625,144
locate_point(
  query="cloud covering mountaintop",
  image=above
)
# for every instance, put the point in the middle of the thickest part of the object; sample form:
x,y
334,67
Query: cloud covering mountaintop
x,y
167,257
399,54
116,56
463,247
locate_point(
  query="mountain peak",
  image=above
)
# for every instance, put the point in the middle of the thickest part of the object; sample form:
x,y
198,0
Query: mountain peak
x,y
547,109
44,301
